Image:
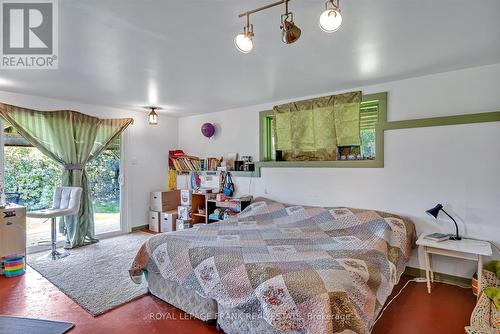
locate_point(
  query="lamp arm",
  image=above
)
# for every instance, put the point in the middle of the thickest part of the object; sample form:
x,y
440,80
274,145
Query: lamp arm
x,y
456,225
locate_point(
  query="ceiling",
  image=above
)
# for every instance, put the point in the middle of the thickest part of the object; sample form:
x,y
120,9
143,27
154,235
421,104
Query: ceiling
x,y
180,54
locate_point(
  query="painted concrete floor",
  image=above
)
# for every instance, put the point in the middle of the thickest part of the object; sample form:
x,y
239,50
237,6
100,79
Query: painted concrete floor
x,y
446,310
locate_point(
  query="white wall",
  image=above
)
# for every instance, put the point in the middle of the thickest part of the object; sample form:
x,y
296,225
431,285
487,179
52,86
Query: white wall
x,y
145,149
456,165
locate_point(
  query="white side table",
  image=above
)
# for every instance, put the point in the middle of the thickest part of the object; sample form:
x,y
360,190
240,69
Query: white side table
x,y
463,249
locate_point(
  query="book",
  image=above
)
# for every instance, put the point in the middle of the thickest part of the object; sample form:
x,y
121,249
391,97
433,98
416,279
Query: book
x,y
438,237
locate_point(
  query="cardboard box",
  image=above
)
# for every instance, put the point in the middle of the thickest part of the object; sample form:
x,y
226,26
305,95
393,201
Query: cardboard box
x,y
183,224
154,221
184,212
162,201
168,221
186,197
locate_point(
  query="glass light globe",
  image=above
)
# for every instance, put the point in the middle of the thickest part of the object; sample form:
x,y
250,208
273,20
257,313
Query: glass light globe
x,y
153,118
243,43
330,20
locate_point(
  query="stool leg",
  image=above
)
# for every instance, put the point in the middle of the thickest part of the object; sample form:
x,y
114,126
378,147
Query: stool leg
x,y
54,253
53,237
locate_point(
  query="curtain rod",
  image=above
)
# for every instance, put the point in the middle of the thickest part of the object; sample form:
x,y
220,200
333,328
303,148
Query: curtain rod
x,y
263,7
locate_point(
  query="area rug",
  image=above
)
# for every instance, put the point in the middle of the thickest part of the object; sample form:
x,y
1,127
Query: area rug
x,y
17,325
95,276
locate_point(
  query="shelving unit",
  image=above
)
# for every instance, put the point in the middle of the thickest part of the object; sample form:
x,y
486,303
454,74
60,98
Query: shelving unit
x,y
235,205
209,204
199,201
235,173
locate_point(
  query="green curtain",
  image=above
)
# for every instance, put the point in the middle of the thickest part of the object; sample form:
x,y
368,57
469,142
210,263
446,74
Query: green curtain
x,y
73,139
313,129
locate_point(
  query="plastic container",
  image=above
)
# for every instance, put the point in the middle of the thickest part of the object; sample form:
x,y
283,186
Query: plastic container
x,y
14,266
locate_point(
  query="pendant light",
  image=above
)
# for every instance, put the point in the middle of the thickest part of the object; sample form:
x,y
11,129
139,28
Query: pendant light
x,y
153,116
290,33
331,19
244,42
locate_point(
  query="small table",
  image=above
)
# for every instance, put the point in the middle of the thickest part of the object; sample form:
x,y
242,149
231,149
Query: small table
x,y
468,249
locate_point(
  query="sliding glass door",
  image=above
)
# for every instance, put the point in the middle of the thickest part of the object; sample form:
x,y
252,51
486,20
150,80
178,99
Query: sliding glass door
x,y
105,187
30,179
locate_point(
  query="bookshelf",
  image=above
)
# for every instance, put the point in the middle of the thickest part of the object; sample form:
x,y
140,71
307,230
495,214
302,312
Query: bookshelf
x,y
209,204
235,173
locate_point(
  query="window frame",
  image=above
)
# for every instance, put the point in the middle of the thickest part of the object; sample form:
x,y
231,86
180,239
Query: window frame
x,y
265,153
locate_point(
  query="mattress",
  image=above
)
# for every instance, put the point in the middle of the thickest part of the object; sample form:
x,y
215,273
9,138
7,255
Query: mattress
x,y
229,320
187,300
283,268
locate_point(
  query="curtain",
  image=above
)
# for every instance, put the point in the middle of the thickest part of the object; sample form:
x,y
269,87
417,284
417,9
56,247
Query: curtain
x,y
313,129
73,139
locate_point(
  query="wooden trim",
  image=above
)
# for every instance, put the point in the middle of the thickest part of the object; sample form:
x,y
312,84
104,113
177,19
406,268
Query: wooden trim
x,y
443,121
417,272
140,228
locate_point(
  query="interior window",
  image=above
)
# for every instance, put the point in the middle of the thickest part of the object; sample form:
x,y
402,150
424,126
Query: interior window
x,y
369,116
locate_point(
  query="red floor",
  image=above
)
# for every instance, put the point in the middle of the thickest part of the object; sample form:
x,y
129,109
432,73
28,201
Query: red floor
x,y
446,310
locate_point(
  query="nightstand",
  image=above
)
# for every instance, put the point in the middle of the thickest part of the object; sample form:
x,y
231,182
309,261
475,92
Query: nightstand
x,y
467,249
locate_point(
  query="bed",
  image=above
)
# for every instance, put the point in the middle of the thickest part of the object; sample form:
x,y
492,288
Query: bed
x,y
278,268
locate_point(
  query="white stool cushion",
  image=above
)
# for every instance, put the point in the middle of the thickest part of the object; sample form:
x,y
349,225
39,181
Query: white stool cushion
x,y
66,203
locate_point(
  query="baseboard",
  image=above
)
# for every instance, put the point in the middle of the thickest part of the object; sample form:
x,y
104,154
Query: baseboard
x,y
417,272
140,228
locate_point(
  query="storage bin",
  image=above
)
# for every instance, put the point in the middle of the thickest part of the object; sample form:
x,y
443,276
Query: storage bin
x,y
162,201
154,221
186,197
184,212
183,224
14,266
168,221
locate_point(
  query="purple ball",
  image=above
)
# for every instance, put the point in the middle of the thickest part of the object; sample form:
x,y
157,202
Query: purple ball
x,y
208,130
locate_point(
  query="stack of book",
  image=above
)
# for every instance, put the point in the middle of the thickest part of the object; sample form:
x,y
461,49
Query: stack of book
x,y
181,162
438,237
186,163
209,164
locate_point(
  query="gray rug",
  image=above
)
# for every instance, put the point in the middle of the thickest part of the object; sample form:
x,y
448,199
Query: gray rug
x,y
96,276
17,325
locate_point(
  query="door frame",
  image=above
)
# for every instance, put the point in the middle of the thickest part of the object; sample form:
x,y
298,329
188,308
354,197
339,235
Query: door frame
x,y
124,191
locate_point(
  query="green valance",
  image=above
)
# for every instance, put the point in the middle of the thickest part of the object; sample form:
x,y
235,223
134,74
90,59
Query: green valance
x,y
313,129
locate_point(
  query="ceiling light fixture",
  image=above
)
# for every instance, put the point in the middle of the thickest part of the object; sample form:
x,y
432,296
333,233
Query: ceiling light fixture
x,y
290,33
331,19
153,116
244,42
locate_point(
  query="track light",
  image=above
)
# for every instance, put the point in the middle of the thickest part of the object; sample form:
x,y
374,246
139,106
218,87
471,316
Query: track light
x,y
244,42
331,19
290,33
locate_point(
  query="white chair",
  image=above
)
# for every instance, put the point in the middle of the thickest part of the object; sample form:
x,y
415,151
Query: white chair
x,y
66,203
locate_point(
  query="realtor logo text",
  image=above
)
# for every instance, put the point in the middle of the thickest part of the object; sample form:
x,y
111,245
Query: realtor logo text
x,y
29,34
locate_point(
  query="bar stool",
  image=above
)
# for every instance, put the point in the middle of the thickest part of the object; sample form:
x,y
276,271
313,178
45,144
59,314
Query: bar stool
x,y
66,203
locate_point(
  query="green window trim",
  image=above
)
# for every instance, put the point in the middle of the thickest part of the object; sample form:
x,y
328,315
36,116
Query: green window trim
x,y
382,126
369,100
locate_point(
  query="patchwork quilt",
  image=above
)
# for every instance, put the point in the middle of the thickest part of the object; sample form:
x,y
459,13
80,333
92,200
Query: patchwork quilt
x,y
306,269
